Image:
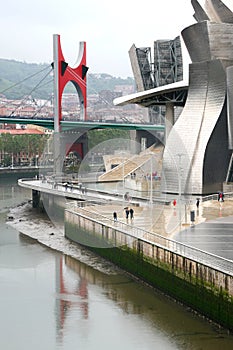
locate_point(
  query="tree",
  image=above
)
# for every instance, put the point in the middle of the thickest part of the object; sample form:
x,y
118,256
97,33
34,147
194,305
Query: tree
x,y
98,136
16,146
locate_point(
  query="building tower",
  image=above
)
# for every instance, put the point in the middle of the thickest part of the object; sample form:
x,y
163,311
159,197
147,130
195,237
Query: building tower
x,y
165,67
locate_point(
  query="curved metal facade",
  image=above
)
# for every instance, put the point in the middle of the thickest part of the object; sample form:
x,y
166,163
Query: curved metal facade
x,y
197,150
230,105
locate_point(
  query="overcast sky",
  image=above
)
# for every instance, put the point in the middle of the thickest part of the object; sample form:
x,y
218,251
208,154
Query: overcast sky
x,y
108,27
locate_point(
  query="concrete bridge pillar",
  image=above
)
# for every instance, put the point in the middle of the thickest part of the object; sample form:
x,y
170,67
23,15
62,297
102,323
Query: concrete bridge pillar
x,y
66,142
35,199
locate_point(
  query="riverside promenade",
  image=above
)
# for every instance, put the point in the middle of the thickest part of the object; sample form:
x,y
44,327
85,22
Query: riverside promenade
x,y
212,229
199,278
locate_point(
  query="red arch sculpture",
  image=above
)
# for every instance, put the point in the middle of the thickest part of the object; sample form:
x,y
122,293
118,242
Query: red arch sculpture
x,y
63,74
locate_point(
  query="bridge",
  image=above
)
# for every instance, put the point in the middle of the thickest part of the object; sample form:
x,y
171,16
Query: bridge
x,y
81,125
173,95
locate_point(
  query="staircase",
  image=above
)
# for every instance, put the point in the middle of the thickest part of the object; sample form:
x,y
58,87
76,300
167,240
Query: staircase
x,y
129,166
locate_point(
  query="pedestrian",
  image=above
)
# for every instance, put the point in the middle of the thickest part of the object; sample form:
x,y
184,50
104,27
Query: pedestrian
x,y
197,203
220,197
127,213
115,216
174,202
131,212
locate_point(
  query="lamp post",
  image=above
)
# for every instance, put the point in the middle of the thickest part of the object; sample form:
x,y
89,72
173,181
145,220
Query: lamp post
x,y
37,156
123,175
12,161
123,179
151,178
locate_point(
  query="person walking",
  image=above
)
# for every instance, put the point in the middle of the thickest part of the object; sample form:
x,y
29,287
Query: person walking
x,y
115,216
197,203
127,213
131,212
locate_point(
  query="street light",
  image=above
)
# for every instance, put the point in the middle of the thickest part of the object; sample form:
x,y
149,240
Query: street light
x,y
123,179
37,156
151,178
123,175
12,161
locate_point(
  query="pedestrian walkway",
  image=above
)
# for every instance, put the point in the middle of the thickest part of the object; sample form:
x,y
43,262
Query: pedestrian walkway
x,y
212,230
161,217
165,219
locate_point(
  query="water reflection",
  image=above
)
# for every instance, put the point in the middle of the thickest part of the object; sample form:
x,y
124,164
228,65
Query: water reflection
x,y
147,316
51,301
70,293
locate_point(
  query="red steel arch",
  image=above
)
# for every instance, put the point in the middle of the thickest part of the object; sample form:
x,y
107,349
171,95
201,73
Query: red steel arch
x,y
63,74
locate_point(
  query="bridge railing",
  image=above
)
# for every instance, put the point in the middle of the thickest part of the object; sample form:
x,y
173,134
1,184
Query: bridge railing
x,y
215,196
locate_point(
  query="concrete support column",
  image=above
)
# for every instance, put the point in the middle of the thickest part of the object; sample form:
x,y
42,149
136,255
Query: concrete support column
x,y
169,118
35,199
57,153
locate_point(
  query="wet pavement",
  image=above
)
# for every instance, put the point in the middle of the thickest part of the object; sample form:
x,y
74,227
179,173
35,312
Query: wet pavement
x,y
211,231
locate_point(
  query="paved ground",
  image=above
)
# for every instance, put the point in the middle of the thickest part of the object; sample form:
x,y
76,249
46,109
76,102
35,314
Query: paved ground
x,y
214,237
215,234
212,230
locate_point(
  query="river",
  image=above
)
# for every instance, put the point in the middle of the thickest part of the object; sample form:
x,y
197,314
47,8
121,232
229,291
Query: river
x,y
74,300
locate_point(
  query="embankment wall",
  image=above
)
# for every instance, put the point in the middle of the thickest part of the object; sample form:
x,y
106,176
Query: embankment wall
x,y
204,288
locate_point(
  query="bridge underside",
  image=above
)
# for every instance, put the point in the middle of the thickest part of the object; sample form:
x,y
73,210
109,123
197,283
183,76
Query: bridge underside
x,y
175,93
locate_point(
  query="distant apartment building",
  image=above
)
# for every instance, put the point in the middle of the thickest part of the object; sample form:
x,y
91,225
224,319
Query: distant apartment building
x,y
125,89
99,107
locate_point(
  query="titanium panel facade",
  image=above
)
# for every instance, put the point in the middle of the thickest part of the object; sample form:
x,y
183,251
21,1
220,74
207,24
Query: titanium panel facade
x,y
199,14
218,11
230,105
199,135
197,150
206,41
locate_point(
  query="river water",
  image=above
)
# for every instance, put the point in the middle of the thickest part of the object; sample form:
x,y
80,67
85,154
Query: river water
x,y
49,300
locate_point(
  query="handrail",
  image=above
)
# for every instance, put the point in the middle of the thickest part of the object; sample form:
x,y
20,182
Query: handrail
x,y
215,196
208,258
214,261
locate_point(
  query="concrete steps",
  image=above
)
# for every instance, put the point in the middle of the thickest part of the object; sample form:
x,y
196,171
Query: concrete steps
x,y
129,166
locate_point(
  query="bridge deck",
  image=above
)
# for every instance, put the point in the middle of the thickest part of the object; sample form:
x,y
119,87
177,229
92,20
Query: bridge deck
x,y
67,125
